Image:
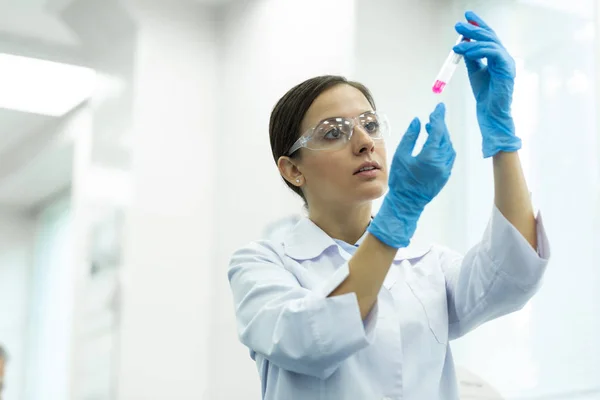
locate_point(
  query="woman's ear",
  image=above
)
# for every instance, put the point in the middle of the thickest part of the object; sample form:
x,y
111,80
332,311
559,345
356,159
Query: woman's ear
x,y
290,171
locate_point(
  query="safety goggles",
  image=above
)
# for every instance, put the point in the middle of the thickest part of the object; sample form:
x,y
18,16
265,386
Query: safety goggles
x,y
335,133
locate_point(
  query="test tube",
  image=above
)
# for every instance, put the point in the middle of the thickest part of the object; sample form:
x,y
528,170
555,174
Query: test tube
x,y
449,66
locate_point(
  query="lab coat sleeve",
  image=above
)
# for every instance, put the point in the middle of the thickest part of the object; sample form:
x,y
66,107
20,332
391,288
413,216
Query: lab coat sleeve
x,y
297,329
496,277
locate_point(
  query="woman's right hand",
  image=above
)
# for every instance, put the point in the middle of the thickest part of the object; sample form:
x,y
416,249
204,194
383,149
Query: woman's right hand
x,y
414,180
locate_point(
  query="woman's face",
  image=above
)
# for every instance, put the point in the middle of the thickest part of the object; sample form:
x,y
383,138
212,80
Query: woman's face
x,y
332,176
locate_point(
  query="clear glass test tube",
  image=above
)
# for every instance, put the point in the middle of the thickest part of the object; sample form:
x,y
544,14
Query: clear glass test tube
x,y
447,70
449,66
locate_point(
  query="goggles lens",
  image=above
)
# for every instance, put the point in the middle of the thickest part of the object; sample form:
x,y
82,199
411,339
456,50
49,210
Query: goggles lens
x,y
335,133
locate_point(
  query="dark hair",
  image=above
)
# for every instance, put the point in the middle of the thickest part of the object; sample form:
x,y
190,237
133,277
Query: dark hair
x,y
3,354
288,113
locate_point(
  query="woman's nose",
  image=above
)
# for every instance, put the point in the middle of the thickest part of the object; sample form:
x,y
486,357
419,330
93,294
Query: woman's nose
x,y
363,142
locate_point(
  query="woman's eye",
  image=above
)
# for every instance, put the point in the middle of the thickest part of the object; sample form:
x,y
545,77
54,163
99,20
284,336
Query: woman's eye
x,y
333,134
372,127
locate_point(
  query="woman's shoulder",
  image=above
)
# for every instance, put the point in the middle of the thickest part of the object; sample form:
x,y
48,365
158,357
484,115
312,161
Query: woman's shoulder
x,y
259,250
446,256
444,250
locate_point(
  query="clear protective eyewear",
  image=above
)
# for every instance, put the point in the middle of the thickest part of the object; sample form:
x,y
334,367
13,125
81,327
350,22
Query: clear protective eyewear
x,y
334,133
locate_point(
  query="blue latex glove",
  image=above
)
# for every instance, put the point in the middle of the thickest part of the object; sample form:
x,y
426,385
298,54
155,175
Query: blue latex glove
x,y
414,181
492,84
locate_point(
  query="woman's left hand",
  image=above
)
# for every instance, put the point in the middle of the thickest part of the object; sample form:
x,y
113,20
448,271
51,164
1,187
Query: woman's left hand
x,y
492,84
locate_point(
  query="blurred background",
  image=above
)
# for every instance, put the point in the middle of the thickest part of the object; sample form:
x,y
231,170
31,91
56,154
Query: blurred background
x,y
134,159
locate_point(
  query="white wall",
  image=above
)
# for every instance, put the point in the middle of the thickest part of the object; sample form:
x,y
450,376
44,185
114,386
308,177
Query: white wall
x,y
167,257
16,243
49,334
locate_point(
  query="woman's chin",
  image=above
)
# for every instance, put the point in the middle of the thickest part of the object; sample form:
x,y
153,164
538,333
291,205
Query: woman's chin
x,y
373,192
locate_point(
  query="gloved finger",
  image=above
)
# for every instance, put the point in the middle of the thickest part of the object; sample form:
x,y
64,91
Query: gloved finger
x,y
479,50
446,141
437,117
470,31
446,148
445,144
407,144
465,47
436,126
472,17
474,66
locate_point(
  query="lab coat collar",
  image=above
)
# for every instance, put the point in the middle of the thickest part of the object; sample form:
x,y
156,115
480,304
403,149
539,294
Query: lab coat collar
x,y
306,241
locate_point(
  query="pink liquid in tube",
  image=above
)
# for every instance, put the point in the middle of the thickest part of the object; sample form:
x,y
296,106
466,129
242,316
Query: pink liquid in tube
x,y
438,86
447,70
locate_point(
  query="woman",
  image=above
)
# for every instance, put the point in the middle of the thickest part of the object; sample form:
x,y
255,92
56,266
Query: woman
x,y
341,308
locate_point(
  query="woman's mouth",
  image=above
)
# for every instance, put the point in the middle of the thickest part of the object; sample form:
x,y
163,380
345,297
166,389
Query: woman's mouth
x,y
372,173
368,169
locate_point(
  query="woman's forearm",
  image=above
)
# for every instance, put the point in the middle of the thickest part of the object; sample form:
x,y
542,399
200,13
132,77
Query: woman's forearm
x,y
368,269
511,195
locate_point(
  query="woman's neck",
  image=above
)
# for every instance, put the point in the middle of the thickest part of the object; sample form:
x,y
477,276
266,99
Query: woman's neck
x,y
343,222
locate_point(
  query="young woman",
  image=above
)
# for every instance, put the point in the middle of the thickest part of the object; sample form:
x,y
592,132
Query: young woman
x,y
341,307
